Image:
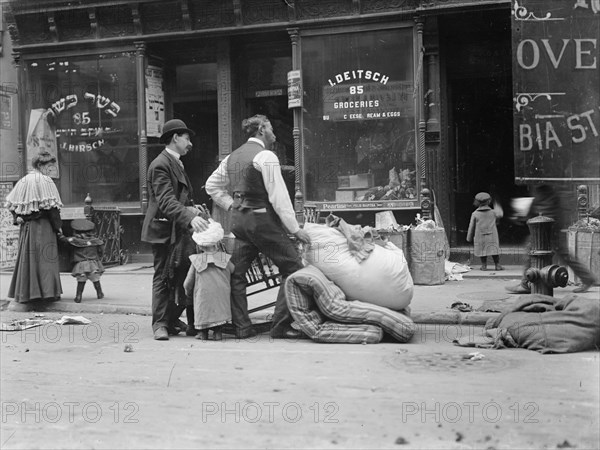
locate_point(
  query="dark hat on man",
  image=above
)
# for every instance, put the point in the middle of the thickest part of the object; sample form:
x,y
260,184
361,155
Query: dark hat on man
x,y
174,126
82,225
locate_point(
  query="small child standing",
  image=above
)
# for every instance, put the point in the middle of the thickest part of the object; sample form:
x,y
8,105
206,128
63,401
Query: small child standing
x,y
207,282
483,232
87,252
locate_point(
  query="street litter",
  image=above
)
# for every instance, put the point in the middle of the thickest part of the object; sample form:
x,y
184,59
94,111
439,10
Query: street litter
x,y
454,271
23,324
454,276
73,320
457,267
474,356
128,348
462,307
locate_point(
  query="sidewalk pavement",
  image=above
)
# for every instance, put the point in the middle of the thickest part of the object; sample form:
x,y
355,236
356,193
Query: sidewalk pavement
x,y
128,290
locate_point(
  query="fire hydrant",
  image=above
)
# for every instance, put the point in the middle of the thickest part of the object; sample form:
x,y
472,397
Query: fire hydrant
x,y
542,274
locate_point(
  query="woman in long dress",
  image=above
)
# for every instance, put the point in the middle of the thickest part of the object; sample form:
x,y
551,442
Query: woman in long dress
x,y
35,204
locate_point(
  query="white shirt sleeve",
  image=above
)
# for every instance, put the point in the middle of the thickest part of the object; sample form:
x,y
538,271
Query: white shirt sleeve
x,y
267,163
216,186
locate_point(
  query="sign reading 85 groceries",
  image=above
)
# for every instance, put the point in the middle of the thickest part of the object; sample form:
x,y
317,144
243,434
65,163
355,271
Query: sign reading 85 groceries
x,y
358,99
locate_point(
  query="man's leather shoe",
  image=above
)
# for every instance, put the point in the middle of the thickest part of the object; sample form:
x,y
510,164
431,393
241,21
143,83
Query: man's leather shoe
x,y
228,328
519,289
161,334
583,288
245,333
289,334
177,327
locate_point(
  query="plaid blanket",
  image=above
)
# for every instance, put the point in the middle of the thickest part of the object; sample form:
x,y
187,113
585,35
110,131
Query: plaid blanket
x,y
321,311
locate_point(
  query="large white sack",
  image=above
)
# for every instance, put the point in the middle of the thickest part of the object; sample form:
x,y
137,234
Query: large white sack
x,y
382,279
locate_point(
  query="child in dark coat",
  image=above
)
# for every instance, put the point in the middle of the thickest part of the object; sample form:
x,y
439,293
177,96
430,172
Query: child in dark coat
x,y
87,252
483,232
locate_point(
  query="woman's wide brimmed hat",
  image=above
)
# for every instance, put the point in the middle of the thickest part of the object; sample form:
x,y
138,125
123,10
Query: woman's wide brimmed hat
x,y
174,126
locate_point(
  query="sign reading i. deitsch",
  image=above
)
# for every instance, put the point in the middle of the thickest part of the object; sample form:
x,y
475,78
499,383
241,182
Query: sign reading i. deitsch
x,y
366,94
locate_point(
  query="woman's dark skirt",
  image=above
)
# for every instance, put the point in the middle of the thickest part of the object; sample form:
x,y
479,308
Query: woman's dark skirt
x,y
36,275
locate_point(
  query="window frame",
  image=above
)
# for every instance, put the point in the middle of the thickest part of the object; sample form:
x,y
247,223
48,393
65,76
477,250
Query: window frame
x,y
417,71
73,208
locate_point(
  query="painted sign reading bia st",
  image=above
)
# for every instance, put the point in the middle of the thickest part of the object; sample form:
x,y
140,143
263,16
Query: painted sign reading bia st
x,y
556,85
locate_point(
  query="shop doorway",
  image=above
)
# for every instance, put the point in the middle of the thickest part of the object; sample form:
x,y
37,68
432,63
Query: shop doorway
x,y
478,70
483,154
261,63
200,116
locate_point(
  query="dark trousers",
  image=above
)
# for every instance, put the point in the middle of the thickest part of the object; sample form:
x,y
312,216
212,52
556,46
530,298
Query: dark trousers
x,y
262,232
579,269
561,250
165,311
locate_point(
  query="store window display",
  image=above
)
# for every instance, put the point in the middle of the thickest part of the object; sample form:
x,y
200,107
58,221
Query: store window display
x,y
83,110
359,122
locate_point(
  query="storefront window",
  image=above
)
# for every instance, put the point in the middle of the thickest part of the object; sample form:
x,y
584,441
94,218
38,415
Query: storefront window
x,y
89,105
359,120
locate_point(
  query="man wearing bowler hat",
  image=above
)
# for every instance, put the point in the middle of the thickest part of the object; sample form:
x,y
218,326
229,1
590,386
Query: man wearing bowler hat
x,y
170,212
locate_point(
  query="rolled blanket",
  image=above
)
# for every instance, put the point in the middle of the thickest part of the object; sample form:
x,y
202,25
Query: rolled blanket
x,y
312,298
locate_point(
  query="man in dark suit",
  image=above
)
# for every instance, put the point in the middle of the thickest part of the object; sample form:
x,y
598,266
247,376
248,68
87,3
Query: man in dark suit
x,y
170,212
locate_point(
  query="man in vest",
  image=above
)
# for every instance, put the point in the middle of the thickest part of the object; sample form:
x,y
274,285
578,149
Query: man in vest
x,y
170,212
262,217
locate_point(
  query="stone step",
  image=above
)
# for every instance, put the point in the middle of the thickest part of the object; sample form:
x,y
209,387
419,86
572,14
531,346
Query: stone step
x,y
509,256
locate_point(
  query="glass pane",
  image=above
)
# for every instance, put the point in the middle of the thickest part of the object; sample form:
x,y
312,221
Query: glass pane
x,y
196,78
91,104
359,121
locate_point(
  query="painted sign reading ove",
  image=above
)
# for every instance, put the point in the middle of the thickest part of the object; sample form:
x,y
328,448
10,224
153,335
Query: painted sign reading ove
x,y
556,85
